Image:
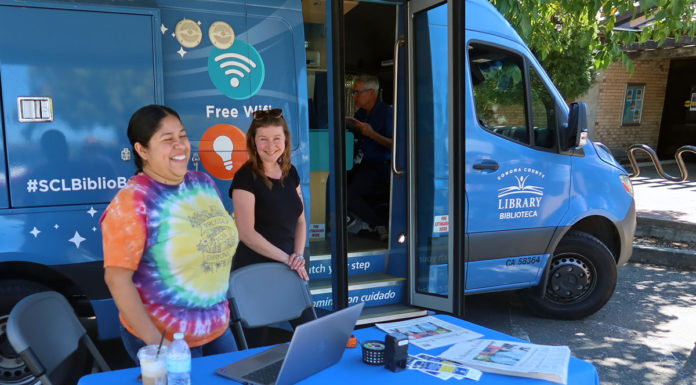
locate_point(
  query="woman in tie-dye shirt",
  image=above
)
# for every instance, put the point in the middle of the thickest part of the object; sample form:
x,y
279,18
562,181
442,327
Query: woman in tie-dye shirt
x,y
168,243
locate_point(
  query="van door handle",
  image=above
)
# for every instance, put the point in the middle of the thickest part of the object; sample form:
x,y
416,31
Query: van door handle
x,y
398,43
486,164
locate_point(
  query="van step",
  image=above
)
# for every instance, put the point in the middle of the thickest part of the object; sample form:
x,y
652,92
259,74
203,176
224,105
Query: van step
x,y
361,262
373,289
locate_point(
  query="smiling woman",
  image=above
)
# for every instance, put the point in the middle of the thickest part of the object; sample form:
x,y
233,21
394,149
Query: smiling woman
x,y
166,155
168,243
268,204
267,197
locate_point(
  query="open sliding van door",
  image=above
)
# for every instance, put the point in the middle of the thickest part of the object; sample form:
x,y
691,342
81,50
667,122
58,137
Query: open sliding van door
x,y
435,144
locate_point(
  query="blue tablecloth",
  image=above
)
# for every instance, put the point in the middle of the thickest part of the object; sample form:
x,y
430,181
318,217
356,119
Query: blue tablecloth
x,y
351,369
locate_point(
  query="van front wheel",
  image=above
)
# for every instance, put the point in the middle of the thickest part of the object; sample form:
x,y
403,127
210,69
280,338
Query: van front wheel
x,y
580,280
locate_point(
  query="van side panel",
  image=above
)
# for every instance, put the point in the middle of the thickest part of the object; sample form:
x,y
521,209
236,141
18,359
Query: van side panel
x,y
482,17
96,71
96,65
493,274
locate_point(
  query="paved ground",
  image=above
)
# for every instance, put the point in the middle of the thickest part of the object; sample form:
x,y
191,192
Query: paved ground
x,y
657,198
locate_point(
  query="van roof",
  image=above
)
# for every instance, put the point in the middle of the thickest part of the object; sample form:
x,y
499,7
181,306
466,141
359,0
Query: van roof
x,y
482,16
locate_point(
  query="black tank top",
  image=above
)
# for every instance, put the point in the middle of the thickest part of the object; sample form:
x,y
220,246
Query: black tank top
x,y
276,211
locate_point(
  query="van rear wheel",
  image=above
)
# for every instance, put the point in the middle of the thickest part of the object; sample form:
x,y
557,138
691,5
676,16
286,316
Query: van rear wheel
x,y
580,280
13,371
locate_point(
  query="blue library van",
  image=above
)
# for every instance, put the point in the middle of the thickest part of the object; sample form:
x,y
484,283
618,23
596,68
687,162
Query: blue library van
x,y
494,183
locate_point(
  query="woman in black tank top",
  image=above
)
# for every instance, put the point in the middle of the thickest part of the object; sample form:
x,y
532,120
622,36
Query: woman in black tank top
x,y
267,198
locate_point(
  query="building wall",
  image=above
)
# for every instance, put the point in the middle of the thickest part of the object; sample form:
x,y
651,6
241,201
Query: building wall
x,y
607,106
591,98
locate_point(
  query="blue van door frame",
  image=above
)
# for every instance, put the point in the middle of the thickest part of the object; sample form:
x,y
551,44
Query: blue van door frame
x,y
458,148
403,217
337,157
435,154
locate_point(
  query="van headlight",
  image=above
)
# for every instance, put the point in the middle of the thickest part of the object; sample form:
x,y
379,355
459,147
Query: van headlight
x,y
626,182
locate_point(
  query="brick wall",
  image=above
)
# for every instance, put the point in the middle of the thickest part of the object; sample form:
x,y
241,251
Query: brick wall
x,y
610,102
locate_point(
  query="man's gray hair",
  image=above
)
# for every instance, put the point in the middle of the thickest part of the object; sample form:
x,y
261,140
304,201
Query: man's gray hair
x,y
368,81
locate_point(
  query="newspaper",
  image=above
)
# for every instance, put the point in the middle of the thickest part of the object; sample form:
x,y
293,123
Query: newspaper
x,y
429,332
513,358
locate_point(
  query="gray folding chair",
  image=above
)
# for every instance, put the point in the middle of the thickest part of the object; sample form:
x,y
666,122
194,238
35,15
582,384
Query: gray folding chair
x,y
264,294
45,331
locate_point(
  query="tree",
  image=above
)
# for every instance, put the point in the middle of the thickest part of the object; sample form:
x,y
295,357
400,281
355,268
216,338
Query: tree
x,y
574,38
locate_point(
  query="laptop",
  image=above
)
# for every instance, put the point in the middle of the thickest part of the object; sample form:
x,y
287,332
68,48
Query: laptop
x,y
315,346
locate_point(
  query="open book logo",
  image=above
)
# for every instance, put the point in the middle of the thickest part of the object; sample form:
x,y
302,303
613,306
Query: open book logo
x,y
522,196
520,188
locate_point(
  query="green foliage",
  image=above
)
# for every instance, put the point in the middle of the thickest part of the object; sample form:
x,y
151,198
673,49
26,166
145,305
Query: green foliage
x,y
574,38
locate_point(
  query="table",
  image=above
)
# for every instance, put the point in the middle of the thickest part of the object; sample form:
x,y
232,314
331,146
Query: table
x,y
351,370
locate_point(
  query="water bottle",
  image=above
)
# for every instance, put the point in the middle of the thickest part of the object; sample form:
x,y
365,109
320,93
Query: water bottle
x,y
179,362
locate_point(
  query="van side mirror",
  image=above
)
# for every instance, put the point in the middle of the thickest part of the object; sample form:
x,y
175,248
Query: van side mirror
x,y
574,134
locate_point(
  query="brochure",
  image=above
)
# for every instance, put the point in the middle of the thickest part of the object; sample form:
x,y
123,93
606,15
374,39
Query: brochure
x,y
442,369
429,332
513,358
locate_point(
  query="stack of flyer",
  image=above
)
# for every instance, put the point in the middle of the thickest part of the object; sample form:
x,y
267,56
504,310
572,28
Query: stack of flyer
x,y
429,332
470,355
544,362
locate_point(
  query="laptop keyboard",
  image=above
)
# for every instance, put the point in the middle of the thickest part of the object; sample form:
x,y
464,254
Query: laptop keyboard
x,y
265,375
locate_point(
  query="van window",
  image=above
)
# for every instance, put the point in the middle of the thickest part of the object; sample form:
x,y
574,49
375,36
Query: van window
x,y
543,112
499,92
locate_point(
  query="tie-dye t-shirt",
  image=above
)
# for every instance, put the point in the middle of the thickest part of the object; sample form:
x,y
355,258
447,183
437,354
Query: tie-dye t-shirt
x,y
179,240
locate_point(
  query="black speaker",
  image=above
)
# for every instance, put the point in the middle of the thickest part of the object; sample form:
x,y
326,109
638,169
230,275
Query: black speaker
x,y
395,351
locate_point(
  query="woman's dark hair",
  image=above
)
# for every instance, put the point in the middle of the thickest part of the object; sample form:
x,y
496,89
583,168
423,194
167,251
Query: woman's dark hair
x,y
266,118
143,124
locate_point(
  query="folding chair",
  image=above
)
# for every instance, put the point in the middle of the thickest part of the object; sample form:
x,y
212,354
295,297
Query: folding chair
x,y
45,331
264,294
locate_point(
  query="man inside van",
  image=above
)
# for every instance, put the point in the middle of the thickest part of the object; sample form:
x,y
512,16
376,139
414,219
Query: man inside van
x,y
368,181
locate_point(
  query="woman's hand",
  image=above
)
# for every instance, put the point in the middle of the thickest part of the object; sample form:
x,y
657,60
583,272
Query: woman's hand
x,y
297,263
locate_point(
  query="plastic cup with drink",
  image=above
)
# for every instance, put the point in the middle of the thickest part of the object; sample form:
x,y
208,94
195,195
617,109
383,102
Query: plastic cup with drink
x,y
153,366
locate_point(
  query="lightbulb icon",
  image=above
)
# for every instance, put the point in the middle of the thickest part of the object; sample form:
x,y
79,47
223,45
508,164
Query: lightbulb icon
x,y
223,146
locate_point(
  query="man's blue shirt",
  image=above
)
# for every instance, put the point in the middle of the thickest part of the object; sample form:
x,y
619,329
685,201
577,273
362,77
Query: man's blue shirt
x,y
381,119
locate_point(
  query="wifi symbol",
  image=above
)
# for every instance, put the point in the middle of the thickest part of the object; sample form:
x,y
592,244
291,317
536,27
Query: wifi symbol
x,y
241,66
238,71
